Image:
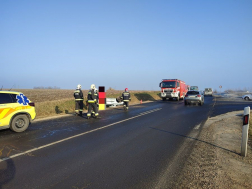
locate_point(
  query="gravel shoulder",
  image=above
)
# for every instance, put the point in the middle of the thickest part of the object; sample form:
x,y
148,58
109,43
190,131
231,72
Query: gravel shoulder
x,y
215,161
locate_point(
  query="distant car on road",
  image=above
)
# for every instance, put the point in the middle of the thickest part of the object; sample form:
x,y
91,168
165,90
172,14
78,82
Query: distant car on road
x,y
247,97
194,97
208,91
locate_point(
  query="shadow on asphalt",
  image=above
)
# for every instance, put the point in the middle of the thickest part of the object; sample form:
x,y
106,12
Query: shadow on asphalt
x,y
7,172
196,140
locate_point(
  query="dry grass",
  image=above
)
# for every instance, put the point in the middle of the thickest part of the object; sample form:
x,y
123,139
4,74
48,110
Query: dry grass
x,y
43,95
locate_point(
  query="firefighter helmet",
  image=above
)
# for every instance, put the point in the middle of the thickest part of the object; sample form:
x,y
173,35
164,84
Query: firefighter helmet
x,y
126,89
92,86
79,86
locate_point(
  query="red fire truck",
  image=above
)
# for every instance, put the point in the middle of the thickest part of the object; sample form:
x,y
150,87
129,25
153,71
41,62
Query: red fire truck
x,y
173,88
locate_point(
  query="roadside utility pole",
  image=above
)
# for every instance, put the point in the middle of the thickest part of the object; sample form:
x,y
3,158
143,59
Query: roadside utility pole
x,y
245,129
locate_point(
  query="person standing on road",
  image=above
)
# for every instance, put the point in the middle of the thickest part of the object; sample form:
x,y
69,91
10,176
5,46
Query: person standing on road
x,y
92,102
78,95
126,98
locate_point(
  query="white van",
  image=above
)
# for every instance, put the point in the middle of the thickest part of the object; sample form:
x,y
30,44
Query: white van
x,y
208,91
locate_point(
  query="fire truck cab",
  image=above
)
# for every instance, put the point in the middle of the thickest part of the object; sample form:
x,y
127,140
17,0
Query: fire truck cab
x,y
173,88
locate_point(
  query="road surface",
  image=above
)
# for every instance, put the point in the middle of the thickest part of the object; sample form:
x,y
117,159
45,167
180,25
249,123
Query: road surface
x,y
136,149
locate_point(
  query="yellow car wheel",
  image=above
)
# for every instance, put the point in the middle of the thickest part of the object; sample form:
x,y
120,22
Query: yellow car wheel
x,y
19,123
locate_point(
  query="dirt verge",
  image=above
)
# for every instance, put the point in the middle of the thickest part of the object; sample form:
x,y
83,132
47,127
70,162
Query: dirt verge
x,y
215,162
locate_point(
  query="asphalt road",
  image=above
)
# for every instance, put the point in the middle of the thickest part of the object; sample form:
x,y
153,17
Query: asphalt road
x,y
140,148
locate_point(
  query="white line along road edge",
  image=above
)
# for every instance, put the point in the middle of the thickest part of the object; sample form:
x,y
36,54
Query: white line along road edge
x,y
57,142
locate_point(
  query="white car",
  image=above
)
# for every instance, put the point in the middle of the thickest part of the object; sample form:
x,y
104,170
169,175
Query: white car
x,y
247,97
194,97
112,102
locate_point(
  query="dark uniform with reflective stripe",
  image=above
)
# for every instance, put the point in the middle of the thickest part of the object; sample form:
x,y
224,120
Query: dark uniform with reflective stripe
x,y
78,95
126,98
97,99
92,103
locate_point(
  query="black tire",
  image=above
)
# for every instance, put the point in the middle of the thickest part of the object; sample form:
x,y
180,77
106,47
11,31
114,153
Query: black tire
x,y
19,123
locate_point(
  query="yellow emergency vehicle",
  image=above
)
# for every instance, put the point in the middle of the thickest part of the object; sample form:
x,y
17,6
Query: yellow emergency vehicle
x,y
16,111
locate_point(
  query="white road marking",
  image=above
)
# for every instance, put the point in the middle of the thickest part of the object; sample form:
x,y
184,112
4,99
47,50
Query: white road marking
x,y
57,142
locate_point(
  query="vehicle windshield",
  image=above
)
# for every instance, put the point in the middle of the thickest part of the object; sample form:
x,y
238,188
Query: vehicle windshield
x,y
169,84
194,88
193,92
208,90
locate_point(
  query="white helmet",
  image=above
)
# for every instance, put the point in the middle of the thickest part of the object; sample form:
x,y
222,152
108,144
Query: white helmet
x,y
92,86
78,86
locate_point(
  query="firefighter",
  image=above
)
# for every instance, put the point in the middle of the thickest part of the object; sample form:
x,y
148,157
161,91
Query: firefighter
x,y
126,98
78,95
97,102
92,102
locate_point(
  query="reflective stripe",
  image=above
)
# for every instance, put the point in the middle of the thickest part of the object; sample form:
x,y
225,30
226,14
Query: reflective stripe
x,y
88,114
92,101
78,99
125,100
4,112
7,111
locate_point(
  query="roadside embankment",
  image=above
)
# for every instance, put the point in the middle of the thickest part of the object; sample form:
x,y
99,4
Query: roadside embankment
x,y
52,104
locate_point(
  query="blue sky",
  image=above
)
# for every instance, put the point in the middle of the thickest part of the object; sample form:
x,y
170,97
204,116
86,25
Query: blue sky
x,y
125,43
